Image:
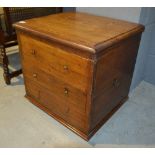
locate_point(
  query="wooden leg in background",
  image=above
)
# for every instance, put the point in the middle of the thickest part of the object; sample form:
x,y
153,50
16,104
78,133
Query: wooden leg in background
x,y
5,62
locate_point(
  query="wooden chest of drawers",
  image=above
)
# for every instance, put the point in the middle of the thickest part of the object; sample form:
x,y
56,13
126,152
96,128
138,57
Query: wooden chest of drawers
x,y
78,67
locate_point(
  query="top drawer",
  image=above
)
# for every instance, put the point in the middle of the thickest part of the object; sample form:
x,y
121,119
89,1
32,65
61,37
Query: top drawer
x,y
66,66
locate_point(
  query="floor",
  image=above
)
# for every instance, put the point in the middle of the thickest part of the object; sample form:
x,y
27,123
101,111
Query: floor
x,y
24,125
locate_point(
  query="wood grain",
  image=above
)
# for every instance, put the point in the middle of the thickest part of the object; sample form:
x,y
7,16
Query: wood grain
x,y
80,30
78,67
74,96
57,105
53,60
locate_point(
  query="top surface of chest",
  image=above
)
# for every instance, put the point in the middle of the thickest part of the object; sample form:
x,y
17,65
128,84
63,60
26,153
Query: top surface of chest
x,y
78,29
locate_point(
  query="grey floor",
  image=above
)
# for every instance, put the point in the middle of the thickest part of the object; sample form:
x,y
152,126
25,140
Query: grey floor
x,y
24,125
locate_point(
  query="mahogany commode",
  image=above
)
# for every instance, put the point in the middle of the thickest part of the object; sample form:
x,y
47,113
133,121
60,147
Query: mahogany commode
x,y
78,67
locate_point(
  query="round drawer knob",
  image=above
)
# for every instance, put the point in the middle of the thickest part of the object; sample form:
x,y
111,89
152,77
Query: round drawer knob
x,y
66,91
65,67
33,52
34,75
116,83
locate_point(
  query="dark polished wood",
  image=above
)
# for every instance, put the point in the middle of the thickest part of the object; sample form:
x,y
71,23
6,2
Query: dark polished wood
x,y
8,36
78,67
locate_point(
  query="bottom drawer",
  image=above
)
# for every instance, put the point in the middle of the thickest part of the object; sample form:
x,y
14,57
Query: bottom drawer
x,y
57,106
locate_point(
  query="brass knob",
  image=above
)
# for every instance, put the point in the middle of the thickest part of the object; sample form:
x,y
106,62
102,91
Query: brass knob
x,y
65,67
33,52
116,83
34,75
66,91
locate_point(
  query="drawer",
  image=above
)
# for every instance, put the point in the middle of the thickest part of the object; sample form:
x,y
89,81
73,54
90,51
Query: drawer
x,y
66,92
51,102
56,61
31,89
56,104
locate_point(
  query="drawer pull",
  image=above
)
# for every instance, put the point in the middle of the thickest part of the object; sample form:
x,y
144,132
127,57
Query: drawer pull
x,y
65,67
116,83
33,52
66,91
35,75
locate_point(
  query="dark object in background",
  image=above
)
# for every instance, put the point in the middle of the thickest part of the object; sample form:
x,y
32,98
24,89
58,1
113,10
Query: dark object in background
x,y
8,36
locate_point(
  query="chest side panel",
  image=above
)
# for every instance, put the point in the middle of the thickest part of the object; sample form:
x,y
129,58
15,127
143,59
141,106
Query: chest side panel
x,y
113,77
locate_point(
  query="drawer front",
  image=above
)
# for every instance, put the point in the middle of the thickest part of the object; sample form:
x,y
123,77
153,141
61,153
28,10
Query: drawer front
x,y
66,92
31,89
56,105
56,61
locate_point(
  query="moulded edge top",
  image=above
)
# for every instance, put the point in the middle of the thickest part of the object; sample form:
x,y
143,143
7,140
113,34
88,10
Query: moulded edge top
x,y
93,50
